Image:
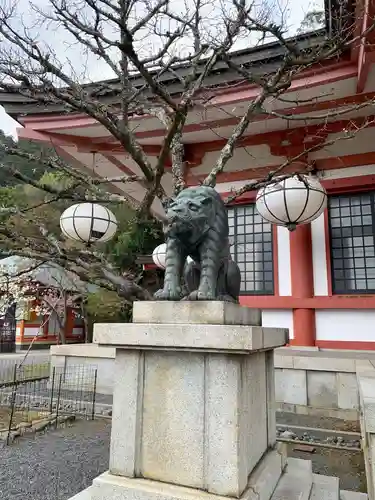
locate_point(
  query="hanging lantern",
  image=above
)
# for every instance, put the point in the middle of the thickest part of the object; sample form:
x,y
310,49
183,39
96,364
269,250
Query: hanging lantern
x,y
292,201
88,223
159,255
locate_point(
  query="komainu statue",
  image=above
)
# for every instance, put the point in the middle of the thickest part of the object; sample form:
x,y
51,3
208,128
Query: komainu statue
x,y
197,227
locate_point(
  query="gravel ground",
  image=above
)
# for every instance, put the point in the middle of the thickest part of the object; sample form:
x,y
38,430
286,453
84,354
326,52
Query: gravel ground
x,y
56,465
59,464
42,391
348,466
317,421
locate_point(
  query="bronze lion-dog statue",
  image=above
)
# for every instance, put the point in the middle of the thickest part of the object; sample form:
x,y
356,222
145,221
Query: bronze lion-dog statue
x,y
197,227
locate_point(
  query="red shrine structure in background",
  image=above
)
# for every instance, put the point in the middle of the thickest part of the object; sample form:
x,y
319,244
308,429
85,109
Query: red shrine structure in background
x,y
318,281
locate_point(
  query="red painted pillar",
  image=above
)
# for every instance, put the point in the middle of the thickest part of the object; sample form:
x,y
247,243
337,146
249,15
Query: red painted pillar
x,y
302,278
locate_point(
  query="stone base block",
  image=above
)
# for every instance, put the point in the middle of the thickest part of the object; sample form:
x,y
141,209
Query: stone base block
x,y
194,399
262,484
194,419
269,481
202,313
189,337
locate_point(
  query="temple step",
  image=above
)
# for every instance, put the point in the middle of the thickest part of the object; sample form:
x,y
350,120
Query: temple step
x,y
299,483
325,488
296,482
352,495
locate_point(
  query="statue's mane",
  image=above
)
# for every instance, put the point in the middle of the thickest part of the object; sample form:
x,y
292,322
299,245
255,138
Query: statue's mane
x,y
217,217
202,192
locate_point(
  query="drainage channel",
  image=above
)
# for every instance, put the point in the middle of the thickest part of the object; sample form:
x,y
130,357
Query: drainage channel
x,y
311,437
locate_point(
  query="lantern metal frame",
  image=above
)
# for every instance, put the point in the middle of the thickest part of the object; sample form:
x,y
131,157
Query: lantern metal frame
x,y
155,255
111,219
157,261
306,188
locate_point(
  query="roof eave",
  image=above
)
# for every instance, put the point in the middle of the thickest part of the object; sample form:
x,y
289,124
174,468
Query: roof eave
x,y
264,58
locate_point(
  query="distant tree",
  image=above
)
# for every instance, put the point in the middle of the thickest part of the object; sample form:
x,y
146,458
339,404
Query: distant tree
x,y
313,21
105,307
32,214
33,168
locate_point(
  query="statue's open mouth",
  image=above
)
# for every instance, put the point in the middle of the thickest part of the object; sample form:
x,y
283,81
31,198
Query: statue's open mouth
x,y
176,224
173,227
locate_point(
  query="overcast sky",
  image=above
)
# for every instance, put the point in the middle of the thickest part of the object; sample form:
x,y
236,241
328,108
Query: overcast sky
x,y
293,11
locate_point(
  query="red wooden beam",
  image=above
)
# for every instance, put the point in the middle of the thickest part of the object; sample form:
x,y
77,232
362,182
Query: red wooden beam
x,y
194,152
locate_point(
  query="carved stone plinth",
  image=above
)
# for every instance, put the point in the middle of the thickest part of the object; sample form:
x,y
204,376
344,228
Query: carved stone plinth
x,y
193,403
193,410
193,398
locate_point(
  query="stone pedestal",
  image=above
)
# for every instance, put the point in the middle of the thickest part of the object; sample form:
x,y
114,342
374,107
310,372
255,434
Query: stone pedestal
x,y
193,402
194,410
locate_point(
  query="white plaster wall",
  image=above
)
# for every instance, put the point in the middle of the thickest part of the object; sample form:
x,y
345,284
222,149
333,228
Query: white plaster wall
x,y
345,325
260,153
338,173
283,257
360,142
226,187
342,173
319,256
53,324
76,368
278,318
31,331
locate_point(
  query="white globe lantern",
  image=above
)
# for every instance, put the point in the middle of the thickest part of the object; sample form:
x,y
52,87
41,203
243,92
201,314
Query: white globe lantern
x,y
292,201
88,223
159,255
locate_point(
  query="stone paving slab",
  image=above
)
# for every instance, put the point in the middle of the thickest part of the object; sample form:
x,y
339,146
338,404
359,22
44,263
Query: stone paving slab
x,y
325,488
352,495
297,481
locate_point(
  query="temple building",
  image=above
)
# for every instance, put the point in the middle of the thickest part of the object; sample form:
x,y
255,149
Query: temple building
x,y
319,280
47,312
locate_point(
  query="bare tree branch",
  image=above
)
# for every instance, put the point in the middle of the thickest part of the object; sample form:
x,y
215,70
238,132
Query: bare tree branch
x,y
274,175
165,58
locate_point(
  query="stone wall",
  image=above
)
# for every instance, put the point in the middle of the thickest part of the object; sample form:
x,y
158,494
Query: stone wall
x,y
312,381
103,358
366,385
307,381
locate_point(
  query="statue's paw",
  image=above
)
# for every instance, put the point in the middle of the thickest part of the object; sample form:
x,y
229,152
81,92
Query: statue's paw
x,y
168,294
197,295
227,298
192,295
205,296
